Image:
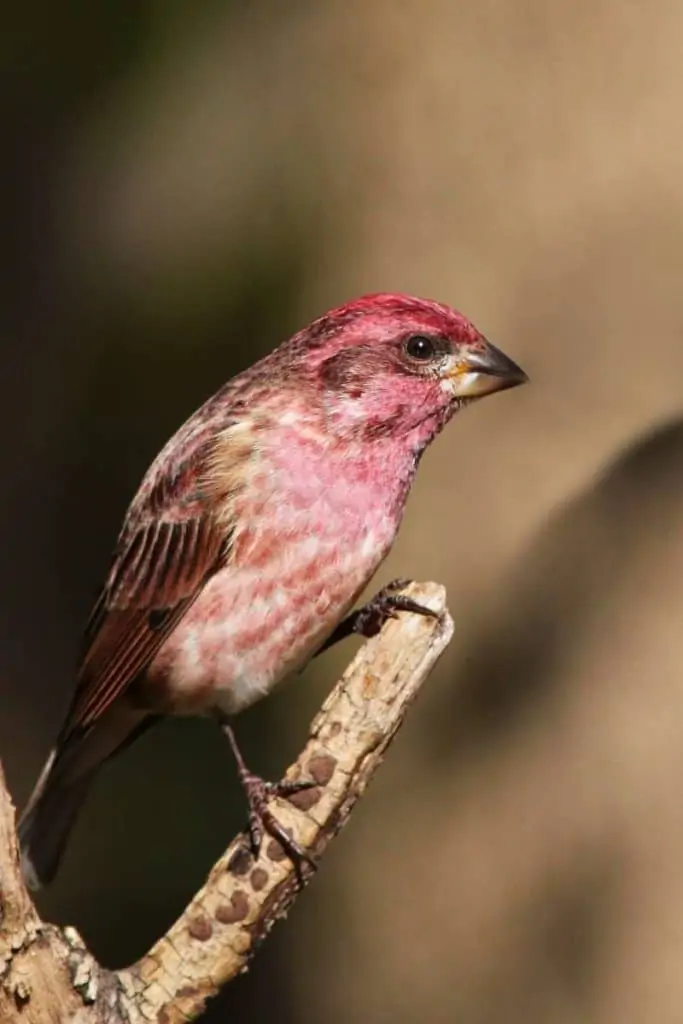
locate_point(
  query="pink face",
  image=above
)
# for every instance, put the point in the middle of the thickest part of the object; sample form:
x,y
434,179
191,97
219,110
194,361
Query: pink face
x,y
388,363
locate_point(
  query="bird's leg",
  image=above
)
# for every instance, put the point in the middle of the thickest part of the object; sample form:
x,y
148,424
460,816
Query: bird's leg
x,y
259,793
368,620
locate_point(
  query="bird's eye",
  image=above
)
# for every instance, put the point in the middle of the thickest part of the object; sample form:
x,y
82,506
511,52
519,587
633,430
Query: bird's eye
x,y
420,347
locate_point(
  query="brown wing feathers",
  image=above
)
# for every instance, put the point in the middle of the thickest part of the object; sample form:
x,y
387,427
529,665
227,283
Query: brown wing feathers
x,y
172,543
147,595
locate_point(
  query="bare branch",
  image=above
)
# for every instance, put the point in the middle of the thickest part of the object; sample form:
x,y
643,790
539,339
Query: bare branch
x,y
220,930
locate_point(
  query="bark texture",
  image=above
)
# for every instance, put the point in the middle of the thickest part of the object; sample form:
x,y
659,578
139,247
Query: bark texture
x,y
47,974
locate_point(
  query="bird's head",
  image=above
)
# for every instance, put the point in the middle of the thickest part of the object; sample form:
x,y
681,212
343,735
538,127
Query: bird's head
x,y
394,365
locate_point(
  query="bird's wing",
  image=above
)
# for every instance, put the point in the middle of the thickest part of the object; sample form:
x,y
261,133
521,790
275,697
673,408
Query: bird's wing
x,y
177,534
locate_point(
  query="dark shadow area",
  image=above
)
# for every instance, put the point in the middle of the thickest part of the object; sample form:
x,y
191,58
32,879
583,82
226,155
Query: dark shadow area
x,y
90,388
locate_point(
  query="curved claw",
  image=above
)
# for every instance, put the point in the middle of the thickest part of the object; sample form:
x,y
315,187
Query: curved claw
x,y
262,819
384,606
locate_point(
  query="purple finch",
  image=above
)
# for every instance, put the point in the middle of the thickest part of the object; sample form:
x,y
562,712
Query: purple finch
x,y
254,532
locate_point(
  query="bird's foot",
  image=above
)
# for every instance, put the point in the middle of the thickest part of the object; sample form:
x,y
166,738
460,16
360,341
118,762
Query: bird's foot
x,y
262,820
368,620
385,605
259,793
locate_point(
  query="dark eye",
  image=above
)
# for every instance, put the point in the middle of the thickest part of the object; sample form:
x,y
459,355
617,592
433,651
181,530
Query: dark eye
x,y
420,347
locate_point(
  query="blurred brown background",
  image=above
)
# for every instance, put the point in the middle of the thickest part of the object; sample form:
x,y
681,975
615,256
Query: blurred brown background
x,y
184,185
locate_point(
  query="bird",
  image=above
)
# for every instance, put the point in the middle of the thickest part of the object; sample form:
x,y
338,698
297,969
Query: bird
x,y
252,536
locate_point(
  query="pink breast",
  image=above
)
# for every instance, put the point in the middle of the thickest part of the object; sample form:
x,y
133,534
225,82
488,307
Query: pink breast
x,y
257,623
313,527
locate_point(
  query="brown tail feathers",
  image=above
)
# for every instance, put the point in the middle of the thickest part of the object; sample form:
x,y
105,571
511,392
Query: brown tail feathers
x,y
52,810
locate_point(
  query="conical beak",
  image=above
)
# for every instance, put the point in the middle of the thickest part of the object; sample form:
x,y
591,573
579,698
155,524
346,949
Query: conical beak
x,y
484,370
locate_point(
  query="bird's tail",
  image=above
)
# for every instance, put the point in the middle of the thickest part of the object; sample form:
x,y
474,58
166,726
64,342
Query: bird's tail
x,y
48,819
53,807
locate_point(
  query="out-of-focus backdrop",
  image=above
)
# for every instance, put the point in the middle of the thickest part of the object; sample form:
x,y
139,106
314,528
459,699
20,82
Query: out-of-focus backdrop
x,y
182,186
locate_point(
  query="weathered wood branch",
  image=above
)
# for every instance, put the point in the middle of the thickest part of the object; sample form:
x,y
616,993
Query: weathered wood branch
x,y
47,974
